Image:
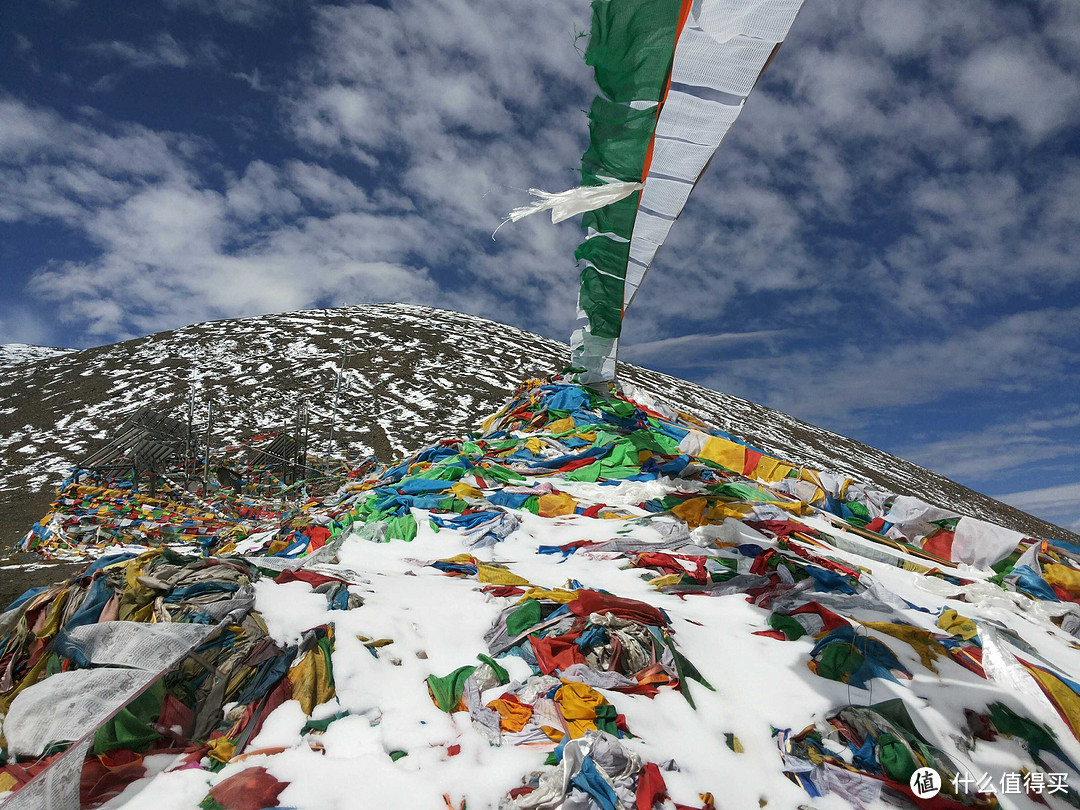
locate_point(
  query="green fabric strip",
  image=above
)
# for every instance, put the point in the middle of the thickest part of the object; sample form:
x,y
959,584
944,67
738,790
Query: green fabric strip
x,y
791,629
601,298
401,527
743,492
607,719
606,255
496,472
631,47
1006,721
589,473
321,725
526,616
447,690
896,758
130,729
497,668
441,472
617,218
838,661
616,407
619,138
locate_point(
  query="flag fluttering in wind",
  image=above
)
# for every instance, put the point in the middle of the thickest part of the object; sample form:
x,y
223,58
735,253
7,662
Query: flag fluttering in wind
x,y
673,76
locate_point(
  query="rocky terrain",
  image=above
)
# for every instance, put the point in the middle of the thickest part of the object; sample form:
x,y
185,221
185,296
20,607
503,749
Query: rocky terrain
x,y
411,374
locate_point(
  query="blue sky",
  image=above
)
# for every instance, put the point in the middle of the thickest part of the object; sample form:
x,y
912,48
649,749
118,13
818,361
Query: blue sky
x,y
886,243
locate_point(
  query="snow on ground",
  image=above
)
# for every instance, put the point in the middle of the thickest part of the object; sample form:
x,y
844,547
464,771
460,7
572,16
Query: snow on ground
x,y
12,354
437,623
418,622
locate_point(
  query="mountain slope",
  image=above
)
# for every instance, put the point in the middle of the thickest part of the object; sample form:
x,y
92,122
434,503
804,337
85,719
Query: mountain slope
x,y
13,354
414,374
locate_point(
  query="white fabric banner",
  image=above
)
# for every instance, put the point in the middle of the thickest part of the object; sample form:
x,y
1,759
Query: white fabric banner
x,y
62,708
769,20
981,544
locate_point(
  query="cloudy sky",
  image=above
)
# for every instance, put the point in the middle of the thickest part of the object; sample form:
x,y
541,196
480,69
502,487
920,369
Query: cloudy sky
x,y
886,244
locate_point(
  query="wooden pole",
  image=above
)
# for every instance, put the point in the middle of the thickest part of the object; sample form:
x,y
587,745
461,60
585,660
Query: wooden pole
x,y
206,451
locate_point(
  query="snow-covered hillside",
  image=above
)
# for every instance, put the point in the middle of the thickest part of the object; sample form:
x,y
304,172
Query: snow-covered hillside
x,y
13,354
413,374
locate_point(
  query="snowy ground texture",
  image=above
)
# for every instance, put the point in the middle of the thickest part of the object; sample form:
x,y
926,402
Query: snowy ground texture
x,y
449,548
13,354
414,374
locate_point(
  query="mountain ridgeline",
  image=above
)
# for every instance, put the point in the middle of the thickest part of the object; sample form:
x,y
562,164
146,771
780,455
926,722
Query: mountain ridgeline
x,y
411,375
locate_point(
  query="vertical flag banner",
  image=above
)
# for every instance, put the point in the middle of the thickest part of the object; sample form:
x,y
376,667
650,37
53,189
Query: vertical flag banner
x,y
673,76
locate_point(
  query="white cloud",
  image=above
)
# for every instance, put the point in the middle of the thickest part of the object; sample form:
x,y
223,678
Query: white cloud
x,y
35,136
21,128
330,191
900,28
1062,26
457,128
160,51
19,324
854,196
837,380
1013,80
173,250
841,87
252,79
1061,498
56,168
478,73
1019,444
177,252
243,12
262,192
691,349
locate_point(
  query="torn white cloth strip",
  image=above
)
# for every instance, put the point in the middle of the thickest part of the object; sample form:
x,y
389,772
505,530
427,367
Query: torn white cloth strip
x,y
56,787
63,707
1001,665
574,201
635,274
151,647
595,354
279,563
642,251
981,544
582,673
